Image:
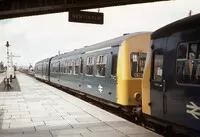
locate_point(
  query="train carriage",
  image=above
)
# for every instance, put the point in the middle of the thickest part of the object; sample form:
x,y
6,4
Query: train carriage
x,y
42,70
110,70
171,84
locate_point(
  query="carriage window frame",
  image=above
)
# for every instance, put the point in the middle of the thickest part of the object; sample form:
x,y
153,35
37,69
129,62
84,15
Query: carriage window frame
x,y
114,66
65,66
154,53
54,67
76,64
51,67
58,67
46,67
182,83
70,63
61,67
177,53
101,61
90,64
81,65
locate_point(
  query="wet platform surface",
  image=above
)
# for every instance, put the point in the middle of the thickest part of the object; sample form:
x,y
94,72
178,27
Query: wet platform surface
x,y
40,110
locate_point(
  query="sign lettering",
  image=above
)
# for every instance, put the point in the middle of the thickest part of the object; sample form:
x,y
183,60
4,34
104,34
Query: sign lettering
x,y
86,17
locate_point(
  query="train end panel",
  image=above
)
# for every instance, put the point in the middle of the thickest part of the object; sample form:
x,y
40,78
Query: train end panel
x,y
129,76
146,84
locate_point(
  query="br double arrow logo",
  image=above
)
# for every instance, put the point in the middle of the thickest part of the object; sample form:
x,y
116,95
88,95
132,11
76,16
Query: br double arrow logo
x,y
100,88
193,109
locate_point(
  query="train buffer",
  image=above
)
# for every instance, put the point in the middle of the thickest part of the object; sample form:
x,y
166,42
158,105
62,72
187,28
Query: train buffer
x,y
42,110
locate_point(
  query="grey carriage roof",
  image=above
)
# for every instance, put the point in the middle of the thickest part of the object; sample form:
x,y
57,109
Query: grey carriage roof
x,y
42,61
112,42
177,26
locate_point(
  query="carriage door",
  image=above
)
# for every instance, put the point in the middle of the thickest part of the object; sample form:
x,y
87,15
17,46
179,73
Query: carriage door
x,y
58,71
81,84
158,98
112,70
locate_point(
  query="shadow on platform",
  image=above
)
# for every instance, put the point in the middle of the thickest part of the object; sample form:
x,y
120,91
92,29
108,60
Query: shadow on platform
x,y
14,84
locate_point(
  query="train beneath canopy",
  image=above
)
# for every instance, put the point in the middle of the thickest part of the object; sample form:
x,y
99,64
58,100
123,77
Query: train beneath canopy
x,y
156,76
111,70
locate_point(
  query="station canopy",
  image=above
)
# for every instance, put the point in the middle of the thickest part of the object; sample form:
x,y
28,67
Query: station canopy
x,y
20,8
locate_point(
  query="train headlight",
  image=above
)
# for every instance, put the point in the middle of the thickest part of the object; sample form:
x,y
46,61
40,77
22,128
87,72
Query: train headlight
x,y
137,96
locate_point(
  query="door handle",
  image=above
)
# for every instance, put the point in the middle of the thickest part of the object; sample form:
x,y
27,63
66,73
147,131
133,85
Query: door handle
x,y
164,86
164,103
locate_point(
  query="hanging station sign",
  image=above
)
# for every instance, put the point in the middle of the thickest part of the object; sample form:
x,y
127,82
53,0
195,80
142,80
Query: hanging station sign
x,y
86,17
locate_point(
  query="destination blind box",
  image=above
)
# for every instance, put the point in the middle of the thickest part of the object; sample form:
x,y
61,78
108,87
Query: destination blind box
x,y
86,17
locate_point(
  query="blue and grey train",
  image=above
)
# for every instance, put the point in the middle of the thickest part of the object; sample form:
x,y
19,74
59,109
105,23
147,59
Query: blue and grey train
x,y
163,85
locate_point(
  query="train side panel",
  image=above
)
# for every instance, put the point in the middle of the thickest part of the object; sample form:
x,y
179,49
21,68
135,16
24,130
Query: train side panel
x,y
171,81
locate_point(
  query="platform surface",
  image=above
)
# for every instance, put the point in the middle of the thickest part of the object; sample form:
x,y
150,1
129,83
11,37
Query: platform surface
x,y
40,110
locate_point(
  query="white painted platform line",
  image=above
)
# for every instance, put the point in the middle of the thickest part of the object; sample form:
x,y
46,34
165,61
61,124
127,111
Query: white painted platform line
x,y
40,110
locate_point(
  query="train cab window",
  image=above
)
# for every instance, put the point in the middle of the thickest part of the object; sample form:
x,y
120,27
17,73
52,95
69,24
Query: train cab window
x,y
137,64
157,65
70,66
188,69
76,67
101,65
81,65
114,65
90,66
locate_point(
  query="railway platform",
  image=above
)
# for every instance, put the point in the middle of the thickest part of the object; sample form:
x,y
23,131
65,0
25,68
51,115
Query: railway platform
x,y
40,110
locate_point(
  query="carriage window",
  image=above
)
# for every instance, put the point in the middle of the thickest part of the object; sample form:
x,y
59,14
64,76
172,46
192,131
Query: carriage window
x,y
51,67
76,67
188,69
101,65
114,65
81,69
46,67
39,68
70,67
54,67
58,67
65,67
137,64
158,65
90,66
62,67
182,51
42,67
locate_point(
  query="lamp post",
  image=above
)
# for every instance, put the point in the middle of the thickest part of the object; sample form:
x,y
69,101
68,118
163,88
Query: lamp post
x,y
7,45
7,77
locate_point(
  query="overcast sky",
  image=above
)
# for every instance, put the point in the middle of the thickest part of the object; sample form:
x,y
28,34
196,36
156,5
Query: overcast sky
x,y
38,37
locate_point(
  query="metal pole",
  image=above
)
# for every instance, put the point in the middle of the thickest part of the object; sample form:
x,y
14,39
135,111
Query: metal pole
x,y
7,61
7,77
11,59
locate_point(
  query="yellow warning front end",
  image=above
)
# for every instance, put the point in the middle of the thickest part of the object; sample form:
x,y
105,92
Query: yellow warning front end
x,y
131,62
